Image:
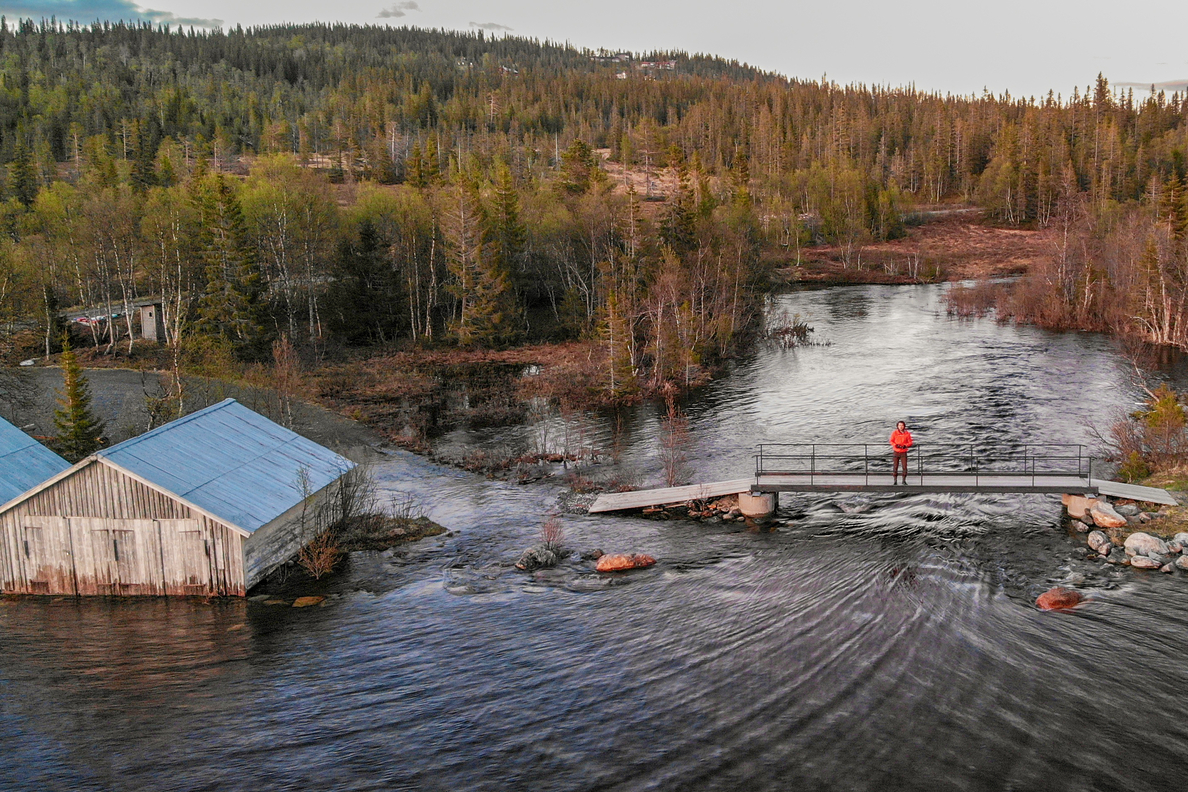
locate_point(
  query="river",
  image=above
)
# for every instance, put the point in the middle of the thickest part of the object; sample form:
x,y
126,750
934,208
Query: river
x,y
871,643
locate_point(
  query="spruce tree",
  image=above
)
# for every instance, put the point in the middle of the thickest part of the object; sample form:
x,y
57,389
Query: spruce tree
x,y
231,306
79,431
22,175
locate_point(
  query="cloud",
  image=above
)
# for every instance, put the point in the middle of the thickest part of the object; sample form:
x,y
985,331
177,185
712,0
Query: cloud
x,y
398,10
490,26
90,10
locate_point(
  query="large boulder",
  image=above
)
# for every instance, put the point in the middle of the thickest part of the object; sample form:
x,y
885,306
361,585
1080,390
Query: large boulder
x,y
1127,509
1104,516
1059,598
1099,542
621,562
1140,543
1182,563
1181,539
1144,562
539,557
1078,505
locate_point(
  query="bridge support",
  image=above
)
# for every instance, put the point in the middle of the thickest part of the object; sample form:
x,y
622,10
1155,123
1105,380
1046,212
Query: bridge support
x,y
758,504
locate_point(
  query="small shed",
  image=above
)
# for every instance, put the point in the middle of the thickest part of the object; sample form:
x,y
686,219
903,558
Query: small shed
x,y
208,504
152,323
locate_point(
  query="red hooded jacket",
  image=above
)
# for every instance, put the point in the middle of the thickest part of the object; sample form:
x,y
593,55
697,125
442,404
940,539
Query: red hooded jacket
x,y
901,441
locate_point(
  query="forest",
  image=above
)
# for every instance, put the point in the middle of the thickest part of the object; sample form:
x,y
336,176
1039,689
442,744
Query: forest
x,y
341,187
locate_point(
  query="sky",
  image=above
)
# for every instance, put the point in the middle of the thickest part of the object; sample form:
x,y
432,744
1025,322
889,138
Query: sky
x,y
1025,47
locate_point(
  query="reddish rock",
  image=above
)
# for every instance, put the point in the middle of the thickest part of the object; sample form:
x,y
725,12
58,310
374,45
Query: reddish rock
x,y
1104,516
620,562
1059,599
615,563
1077,505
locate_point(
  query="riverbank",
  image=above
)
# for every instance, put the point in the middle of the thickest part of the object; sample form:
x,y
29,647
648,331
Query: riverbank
x,y
946,245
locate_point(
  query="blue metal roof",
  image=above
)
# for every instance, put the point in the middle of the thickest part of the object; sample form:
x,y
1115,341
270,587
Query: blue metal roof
x,y
230,461
24,462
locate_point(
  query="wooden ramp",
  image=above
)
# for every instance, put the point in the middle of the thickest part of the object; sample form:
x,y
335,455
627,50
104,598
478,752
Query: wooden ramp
x,y
639,499
1133,491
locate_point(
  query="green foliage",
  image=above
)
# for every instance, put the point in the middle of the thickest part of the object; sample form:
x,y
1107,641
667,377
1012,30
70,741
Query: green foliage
x,y
80,433
362,298
1134,468
231,305
22,175
579,168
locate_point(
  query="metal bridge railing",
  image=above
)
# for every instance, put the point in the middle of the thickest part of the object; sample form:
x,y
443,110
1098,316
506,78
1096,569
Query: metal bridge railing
x,y
832,459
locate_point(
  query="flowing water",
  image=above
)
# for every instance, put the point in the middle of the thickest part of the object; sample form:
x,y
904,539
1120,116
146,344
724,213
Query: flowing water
x,y
870,643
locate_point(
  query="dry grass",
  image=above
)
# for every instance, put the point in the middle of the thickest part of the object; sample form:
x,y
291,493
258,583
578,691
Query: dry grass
x,y
977,300
319,557
950,248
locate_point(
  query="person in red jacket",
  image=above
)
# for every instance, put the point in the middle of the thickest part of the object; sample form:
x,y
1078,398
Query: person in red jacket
x,y
901,441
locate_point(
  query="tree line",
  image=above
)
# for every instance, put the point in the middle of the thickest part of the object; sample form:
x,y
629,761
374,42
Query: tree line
x,y
357,185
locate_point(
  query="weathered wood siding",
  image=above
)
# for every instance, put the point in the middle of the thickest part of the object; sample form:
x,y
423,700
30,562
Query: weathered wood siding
x,y
273,544
99,531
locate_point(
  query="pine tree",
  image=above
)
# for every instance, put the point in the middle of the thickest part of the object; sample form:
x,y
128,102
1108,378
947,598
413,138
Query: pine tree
x,y
579,168
79,431
232,304
22,175
505,236
414,175
488,309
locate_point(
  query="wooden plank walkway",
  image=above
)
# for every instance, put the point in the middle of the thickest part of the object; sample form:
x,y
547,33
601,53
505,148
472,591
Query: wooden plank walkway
x,y
639,499
859,482
1133,491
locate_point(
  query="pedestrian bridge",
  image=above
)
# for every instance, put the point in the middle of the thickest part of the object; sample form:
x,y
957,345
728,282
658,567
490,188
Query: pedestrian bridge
x,y
820,467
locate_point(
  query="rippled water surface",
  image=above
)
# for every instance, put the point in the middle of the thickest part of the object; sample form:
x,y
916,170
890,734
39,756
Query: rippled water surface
x,y
870,643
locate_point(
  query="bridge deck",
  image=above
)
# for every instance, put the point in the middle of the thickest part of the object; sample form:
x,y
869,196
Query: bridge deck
x,y
930,482
881,483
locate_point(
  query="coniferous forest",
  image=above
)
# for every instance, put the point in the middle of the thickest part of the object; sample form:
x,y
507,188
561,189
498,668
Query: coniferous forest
x,y
348,186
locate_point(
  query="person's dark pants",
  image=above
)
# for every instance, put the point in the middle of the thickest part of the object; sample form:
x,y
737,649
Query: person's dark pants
x,y
900,459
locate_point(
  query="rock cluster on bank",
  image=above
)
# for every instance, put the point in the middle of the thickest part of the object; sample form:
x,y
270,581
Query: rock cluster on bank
x,y
1113,534
724,509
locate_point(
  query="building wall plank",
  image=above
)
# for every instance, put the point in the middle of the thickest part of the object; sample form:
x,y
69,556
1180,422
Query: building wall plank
x,y
117,536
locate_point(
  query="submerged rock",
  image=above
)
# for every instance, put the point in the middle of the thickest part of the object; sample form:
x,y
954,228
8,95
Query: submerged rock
x,y
539,557
592,555
621,562
1059,598
1118,556
306,602
1140,543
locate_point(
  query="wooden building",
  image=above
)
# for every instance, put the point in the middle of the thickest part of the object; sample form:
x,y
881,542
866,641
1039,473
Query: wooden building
x,y
209,504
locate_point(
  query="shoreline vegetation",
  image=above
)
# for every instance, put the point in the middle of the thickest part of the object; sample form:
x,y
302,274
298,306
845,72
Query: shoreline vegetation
x,y
424,229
